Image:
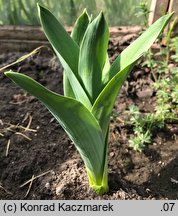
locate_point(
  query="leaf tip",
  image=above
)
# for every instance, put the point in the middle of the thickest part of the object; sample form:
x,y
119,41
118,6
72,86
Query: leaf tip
x,y
84,11
9,73
41,9
38,6
101,17
101,14
85,14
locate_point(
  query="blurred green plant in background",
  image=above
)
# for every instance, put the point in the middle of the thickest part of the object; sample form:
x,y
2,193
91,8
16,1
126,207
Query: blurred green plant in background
x,y
23,12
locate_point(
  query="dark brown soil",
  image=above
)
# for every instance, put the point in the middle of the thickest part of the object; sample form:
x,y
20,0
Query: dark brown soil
x,y
152,174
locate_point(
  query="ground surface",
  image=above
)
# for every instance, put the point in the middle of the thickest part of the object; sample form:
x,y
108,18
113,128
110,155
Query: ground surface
x,y
132,175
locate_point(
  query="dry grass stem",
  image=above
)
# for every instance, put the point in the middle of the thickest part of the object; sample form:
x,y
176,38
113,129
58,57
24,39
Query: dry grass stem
x,y
34,177
30,181
22,58
7,148
21,127
5,190
13,128
30,185
120,120
1,122
29,123
25,136
113,136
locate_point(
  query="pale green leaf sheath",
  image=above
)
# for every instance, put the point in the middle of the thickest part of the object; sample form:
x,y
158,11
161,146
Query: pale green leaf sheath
x,y
91,85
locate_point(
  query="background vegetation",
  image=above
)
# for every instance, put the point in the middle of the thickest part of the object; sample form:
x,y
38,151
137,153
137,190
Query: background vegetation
x,y
24,12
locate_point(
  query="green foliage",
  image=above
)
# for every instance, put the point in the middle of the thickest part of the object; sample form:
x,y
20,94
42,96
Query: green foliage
x,y
174,47
165,111
142,135
143,12
18,12
166,87
116,11
167,94
91,85
144,126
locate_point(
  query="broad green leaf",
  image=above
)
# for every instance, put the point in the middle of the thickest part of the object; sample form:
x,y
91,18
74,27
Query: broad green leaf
x,y
77,35
80,27
66,49
91,84
59,38
76,87
92,57
103,105
77,121
133,52
105,74
68,91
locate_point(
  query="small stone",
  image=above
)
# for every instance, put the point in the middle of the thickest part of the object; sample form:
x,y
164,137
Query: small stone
x,y
60,189
111,154
145,93
47,185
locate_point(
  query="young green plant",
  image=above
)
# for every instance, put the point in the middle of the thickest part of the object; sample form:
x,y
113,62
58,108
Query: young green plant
x,y
91,84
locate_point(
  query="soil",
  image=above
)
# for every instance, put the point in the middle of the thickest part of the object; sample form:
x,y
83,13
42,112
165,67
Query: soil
x,y
33,146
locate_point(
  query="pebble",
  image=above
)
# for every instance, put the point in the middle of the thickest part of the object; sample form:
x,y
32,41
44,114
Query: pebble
x,y
59,189
47,185
112,154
